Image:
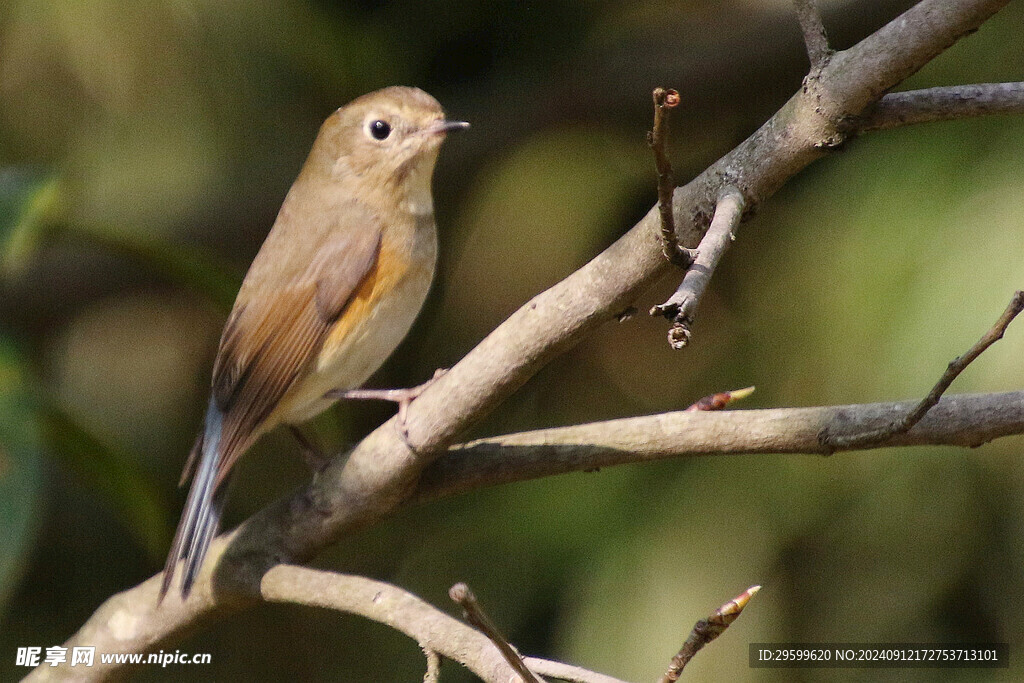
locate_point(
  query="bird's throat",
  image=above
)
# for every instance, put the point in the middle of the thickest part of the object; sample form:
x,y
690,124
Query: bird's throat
x,y
417,198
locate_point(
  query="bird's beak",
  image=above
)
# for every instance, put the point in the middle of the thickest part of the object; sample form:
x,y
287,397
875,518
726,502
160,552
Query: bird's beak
x,y
441,127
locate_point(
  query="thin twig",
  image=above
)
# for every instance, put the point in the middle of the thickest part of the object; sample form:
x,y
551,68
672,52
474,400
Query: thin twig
x,y
720,400
681,307
657,138
706,630
813,29
462,595
953,370
944,104
433,674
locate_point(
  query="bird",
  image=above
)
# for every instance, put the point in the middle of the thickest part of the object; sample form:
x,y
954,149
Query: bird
x,y
336,285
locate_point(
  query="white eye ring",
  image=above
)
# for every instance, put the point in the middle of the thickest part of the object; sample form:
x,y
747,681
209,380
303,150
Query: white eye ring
x,y
378,129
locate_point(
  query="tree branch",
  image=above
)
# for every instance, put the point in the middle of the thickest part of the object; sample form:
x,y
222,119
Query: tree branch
x,y
568,672
706,630
381,473
945,104
914,415
967,420
433,672
813,28
434,630
657,140
681,307
463,596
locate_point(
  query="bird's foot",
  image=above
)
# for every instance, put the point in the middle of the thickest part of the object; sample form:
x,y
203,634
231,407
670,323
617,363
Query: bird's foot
x,y
403,397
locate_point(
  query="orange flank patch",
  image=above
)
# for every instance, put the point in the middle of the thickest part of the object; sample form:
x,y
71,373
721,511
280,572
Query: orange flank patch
x,y
391,265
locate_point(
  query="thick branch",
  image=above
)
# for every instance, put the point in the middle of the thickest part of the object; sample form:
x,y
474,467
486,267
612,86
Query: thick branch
x,y
434,630
681,307
945,104
967,420
900,48
381,472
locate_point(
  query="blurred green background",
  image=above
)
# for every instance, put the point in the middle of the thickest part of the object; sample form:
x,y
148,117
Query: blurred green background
x,y
145,147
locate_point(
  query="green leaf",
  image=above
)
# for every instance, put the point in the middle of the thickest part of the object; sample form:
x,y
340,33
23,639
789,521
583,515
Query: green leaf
x,y
21,486
27,203
115,474
32,211
30,425
188,267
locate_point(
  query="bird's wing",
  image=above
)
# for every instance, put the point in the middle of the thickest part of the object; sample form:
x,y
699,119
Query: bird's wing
x,y
271,340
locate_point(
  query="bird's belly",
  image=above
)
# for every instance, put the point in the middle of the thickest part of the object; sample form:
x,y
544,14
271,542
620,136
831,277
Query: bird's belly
x,y
362,341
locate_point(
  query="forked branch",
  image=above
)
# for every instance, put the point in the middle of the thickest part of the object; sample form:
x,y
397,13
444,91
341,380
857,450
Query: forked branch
x,y
434,630
905,423
681,307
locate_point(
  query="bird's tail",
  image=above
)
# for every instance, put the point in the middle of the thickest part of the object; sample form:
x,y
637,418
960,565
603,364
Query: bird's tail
x,y
201,517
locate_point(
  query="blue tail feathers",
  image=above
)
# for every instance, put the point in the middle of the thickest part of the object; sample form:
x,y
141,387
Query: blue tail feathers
x,y
201,517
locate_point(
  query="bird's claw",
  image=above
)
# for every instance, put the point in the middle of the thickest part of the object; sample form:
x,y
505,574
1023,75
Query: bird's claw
x,y
403,397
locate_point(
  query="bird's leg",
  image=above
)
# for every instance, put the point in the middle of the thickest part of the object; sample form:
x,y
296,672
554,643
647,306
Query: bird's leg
x,y
312,454
403,397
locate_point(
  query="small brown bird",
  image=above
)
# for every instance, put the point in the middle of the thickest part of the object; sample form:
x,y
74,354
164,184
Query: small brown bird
x,y
335,287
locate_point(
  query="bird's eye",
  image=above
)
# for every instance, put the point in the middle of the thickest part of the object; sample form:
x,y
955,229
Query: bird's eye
x,y
379,130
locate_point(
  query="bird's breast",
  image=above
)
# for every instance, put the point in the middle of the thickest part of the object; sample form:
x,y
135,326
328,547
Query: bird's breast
x,y
374,321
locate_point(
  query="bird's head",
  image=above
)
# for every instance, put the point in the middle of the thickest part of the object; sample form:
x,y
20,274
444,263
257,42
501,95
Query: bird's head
x,y
385,137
